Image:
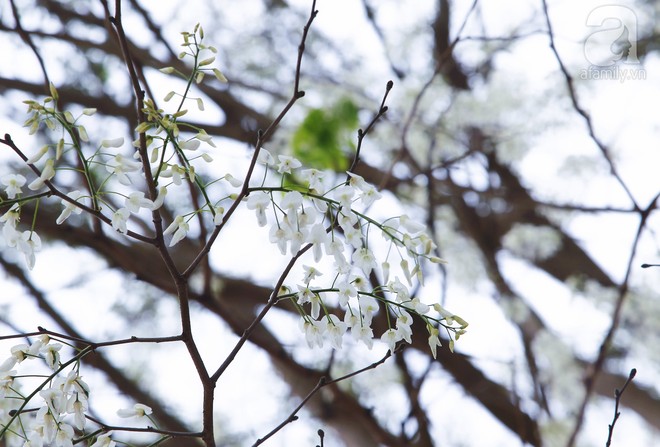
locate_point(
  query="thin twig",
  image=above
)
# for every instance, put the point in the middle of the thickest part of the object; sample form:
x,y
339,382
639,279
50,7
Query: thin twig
x,y
581,111
323,382
382,110
617,399
598,364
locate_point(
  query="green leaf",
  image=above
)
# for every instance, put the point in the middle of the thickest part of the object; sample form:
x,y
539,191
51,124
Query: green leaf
x,y
324,139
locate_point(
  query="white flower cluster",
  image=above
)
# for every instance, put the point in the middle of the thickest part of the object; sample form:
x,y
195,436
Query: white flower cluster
x,y
62,401
330,223
27,242
171,162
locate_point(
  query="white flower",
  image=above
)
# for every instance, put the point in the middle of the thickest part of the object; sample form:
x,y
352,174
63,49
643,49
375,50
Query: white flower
x,y
314,331
396,286
259,201
28,244
310,274
46,174
357,181
368,307
10,220
304,294
219,215
180,229
287,164
190,145
364,259
36,157
64,435
370,195
55,400
336,330
406,271
318,237
308,217
12,216
265,158
444,313
434,340
10,235
291,201
390,337
115,142
353,237
6,382
297,238
136,200
385,267
315,299
138,411
35,439
363,332
346,291
19,352
403,329
344,195
120,166
320,205
49,424
360,282
8,364
69,207
78,406
119,220
13,183
335,248
315,179
51,354
75,381
278,236
162,193
418,306
233,181
104,441
37,345
410,225
369,192
175,172
206,138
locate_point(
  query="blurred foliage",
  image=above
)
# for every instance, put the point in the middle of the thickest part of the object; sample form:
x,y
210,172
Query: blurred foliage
x,y
323,140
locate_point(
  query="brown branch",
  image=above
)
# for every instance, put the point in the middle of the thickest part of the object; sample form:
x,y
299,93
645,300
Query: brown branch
x,y
412,386
597,365
27,38
582,112
95,359
323,382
